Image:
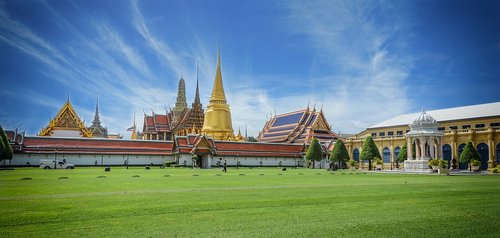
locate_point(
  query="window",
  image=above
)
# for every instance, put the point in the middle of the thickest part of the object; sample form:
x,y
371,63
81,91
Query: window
x,y
374,134
399,133
479,125
496,124
453,127
381,134
465,127
390,133
441,128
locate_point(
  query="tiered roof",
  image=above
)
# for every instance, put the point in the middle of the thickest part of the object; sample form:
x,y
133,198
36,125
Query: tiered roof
x,y
200,144
156,123
297,127
66,119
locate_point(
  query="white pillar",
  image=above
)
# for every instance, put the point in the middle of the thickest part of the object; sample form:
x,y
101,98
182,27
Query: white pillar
x,y
409,151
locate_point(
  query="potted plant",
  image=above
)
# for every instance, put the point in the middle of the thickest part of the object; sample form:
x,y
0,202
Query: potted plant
x,y
475,164
434,164
443,167
379,164
352,164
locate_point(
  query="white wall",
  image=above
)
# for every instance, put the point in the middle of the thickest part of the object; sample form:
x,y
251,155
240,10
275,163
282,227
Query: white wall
x,y
84,159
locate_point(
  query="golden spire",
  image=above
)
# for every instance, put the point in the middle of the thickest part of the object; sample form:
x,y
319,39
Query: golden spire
x,y
218,90
217,121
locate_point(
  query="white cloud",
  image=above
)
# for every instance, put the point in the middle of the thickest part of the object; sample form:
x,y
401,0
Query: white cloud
x,y
357,41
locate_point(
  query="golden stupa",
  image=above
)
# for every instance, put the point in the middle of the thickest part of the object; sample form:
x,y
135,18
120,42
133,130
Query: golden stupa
x,y
217,123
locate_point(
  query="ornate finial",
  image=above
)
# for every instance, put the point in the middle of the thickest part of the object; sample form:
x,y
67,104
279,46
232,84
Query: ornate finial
x,y
218,56
97,121
218,94
67,98
197,95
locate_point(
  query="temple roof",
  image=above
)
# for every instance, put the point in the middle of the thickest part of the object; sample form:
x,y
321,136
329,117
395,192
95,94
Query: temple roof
x,y
66,119
297,127
193,144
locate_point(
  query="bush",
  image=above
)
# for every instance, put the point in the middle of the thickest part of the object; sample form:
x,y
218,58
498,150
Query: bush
x,y
443,164
169,164
434,162
496,170
475,162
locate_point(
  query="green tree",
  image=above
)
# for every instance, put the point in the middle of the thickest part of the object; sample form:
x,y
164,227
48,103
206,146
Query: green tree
x,y
251,139
369,151
339,153
403,154
5,147
469,154
314,152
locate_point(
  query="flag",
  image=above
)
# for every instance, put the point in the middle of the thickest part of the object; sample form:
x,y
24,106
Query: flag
x,y
131,128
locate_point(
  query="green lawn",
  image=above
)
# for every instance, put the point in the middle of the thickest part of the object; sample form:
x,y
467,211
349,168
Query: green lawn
x,y
245,203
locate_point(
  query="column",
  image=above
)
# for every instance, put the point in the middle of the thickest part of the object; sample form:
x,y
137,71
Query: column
x,y
422,149
432,149
409,151
391,150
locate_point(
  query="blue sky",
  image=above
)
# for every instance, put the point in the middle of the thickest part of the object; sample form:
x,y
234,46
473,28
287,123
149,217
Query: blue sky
x,y
364,61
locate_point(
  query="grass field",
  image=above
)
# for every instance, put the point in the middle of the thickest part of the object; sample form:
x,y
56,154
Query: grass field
x,y
244,203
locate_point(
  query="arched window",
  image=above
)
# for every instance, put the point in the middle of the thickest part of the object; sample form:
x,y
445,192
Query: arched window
x,y
447,152
387,155
396,152
483,151
355,154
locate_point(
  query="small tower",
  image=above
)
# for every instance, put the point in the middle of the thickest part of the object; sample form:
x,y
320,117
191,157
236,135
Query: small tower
x,y
98,131
180,104
133,129
217,123
196,113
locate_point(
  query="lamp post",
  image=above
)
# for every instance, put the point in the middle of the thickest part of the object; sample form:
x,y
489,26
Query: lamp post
x,y
55,159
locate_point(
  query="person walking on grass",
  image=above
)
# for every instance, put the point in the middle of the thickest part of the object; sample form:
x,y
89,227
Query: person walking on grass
x,y
224,167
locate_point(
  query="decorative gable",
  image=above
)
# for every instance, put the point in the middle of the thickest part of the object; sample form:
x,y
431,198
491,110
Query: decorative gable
x,y
66,119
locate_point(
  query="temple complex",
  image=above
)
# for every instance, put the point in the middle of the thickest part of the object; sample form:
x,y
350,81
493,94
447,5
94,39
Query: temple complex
x,y
179,121
298,127
217,123
67,124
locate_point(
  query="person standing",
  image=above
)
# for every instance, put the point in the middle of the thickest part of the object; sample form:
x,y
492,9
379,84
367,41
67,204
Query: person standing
x,y
224,167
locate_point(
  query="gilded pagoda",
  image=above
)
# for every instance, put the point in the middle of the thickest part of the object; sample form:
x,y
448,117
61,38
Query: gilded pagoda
x,y
217,123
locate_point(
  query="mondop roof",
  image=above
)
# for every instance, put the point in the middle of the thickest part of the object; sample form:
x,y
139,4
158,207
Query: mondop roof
x,y
448,114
